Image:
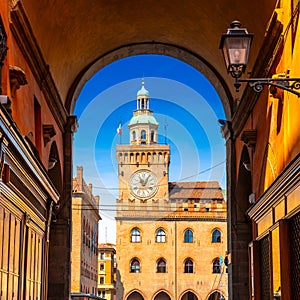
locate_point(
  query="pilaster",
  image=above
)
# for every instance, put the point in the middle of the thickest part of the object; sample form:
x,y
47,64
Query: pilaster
x,y
61,230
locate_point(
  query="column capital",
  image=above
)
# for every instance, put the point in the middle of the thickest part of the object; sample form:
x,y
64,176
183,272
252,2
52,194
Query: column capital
x,y
226,129
72,124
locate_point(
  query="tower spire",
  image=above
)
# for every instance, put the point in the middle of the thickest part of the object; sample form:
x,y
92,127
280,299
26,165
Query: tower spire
x,y
143,125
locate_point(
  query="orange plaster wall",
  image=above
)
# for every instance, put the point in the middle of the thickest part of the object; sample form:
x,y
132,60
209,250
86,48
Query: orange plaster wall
x,y
23,103
258,120
279,142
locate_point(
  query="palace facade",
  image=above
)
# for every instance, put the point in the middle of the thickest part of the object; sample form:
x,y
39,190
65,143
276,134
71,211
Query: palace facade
x,y
171,236
85,228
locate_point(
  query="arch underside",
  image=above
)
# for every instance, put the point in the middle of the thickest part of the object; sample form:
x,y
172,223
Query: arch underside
x,y
159,49
97,29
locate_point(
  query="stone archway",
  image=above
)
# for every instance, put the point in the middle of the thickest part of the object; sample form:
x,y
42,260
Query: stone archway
x,y
162,296
189,296
153,48
187,57
216,296
135,296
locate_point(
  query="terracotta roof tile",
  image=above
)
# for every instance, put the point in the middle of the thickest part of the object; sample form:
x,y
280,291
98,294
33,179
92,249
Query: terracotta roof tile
x,y
202,190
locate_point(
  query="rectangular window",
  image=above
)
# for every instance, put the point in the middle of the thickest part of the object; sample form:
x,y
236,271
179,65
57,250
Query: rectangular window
x,y
34,252
10,236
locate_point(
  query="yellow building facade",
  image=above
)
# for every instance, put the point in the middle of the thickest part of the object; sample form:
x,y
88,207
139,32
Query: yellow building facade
x,y
84,259
107,271
171,236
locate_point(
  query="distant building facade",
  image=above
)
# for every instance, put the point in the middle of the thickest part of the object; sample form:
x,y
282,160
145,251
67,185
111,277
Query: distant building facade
x,y
85,218
171,236
107,271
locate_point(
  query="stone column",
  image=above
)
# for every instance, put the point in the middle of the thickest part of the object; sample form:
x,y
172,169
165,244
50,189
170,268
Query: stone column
x,y
61,228
238,228
230,187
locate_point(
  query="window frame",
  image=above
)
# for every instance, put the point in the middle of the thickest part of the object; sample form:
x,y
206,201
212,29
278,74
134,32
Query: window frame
x,y
216,267
214,237
161,268
188,266
134,237
135,268
160,238
152,133
143,134
134,135
188,236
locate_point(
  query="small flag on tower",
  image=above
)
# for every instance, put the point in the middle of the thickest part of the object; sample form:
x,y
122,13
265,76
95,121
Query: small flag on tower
x,y
119,129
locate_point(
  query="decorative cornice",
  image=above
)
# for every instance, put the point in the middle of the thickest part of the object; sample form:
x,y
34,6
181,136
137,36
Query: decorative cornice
x,y
71,124
226,129
173,219
22,32
284,183
249,138
48,133
17,78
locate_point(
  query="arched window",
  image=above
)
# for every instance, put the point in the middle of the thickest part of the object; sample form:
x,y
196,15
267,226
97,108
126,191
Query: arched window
x,y
188,236
189,296
188,266
216,296
135,296
135,236
216,266
161,266
134,266
216,236
133,135
152,135
160,236
162,296
143,134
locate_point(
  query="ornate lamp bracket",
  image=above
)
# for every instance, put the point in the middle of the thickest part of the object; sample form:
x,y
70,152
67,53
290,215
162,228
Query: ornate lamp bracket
x,y
235,45
288,84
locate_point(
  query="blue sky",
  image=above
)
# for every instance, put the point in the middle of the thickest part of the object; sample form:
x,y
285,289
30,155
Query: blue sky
x,y
184,103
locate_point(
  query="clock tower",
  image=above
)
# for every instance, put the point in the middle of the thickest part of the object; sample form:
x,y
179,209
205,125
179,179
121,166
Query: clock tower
x,y
143,165
168,241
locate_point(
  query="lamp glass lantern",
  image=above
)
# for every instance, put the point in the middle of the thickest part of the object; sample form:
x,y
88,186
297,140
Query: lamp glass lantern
x,y
235,45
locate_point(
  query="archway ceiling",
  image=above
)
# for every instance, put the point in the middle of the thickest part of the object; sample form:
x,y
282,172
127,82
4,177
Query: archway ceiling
x,y
73,34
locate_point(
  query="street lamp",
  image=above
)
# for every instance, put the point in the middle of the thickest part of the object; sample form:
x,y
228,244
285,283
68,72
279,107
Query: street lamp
x,y
235,45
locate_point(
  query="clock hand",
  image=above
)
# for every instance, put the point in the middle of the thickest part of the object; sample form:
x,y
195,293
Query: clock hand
x,y
146,180
142,182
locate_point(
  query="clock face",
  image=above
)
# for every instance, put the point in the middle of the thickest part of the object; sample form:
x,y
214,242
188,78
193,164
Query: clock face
x,y
143,184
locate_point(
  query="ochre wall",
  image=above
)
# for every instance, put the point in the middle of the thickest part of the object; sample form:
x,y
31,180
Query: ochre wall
x,y
175,282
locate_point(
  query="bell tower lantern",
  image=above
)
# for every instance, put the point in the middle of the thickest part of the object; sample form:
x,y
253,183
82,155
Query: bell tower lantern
x,y
143,125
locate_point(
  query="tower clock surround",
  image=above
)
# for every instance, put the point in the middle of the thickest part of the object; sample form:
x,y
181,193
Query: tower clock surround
x,y
143,184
